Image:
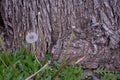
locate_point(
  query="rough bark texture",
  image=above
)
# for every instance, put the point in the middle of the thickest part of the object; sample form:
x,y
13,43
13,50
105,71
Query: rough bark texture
x,y
97,32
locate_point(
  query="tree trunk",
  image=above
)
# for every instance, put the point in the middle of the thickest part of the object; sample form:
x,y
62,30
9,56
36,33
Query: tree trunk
x,y
97,27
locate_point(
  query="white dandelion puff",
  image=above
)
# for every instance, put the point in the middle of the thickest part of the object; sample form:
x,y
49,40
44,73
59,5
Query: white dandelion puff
x,y
31,37
73,27
38,13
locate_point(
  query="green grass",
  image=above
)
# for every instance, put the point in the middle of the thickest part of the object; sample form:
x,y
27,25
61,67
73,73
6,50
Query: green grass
x,y
24,65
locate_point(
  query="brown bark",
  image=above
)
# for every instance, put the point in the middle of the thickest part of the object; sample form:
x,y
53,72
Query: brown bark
x,y
97,24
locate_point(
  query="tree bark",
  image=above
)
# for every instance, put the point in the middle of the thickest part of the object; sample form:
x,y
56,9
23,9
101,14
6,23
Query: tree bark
x,y
97,25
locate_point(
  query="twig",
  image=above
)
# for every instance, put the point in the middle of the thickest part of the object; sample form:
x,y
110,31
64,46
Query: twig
x,y
28,78
79,60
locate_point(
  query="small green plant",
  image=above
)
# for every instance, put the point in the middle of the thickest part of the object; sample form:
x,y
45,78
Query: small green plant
x,y
101,71
71,72
107,74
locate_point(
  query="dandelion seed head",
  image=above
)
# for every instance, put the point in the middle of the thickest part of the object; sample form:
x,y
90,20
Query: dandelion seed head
x,y
73,27
38,13
31,37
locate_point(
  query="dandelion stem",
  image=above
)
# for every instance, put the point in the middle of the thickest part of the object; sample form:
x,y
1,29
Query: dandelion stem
x,y
34,52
